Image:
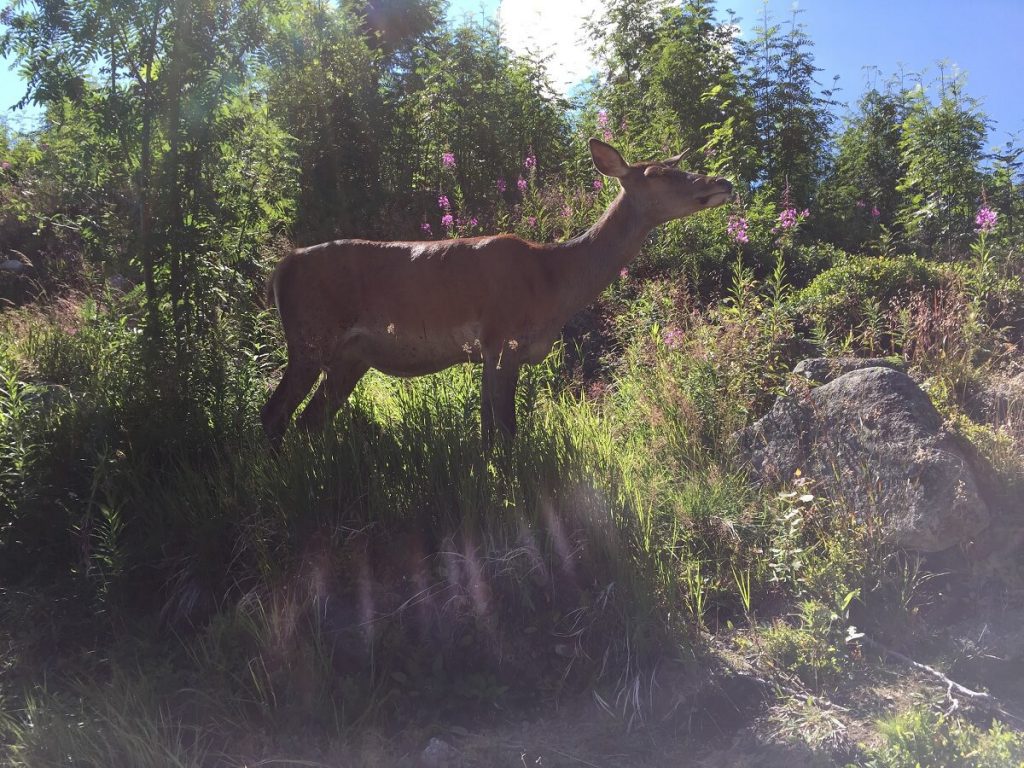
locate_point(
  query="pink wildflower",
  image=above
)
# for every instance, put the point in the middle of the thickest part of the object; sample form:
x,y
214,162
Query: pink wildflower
x,y
425,228
521,184
623,273
532,221
986,219
861,203
566,211
448,159
602,118
530,161
443,203
673,338
737,229
598,185
473,221
501,186
790,217
875,213
448,220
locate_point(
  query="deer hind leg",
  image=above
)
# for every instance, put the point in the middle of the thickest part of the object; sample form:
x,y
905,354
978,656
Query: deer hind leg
x,y
299,377
342,377
498,400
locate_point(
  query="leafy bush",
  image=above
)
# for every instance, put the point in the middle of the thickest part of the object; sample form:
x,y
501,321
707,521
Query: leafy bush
x,y
841,299
919,738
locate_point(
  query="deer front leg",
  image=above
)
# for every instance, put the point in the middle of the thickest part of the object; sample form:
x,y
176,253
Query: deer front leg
x,y
498,399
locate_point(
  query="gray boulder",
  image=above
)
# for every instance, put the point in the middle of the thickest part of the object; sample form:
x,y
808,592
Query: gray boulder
x,y
872,439
822,370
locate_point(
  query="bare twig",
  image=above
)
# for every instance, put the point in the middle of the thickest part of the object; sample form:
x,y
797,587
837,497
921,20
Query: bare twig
x,y
985,700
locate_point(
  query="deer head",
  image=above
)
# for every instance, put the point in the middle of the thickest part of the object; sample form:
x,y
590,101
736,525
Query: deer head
x,y
659,190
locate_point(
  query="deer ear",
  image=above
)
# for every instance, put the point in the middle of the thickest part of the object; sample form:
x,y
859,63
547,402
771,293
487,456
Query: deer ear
x,y
607,159
672,162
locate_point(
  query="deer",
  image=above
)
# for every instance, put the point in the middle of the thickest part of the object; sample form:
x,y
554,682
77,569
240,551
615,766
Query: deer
x,y
412,308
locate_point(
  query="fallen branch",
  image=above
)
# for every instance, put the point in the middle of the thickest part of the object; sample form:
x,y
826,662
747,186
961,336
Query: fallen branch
x,y
980,698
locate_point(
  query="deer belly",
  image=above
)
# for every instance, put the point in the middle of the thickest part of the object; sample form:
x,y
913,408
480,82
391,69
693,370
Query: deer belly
x,y
409,352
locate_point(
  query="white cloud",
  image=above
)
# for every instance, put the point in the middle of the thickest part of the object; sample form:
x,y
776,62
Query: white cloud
x,y
554,29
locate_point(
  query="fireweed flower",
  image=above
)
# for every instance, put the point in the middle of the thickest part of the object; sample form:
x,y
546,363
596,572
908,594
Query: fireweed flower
x,y
521,184
790,217
530,161
425,228
602,118
448,159
448,220
501,186
443,203
673,338
532,221
598,185
986,219
473,221
875,213
623,273
737,229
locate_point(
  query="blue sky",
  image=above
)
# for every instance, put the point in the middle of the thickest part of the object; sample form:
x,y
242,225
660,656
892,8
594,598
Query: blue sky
x,y
982,38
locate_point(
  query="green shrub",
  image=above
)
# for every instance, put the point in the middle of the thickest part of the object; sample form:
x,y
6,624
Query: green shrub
x,y
807,261
841,299
921,739
814,649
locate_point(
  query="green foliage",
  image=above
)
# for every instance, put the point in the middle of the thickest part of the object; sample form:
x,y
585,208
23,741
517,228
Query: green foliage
x,y
124,722
673,82
792,115
492,111
919,737
941,147
323,82
842,299
859,195
813,650
16,448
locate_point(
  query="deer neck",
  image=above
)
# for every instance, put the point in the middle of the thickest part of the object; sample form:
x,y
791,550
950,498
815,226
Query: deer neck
x,y
590,262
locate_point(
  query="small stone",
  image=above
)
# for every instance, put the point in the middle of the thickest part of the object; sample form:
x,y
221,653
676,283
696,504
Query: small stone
x,y
440,754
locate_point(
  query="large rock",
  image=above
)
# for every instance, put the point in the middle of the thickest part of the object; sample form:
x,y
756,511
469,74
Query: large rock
x,y
822,370
872,439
